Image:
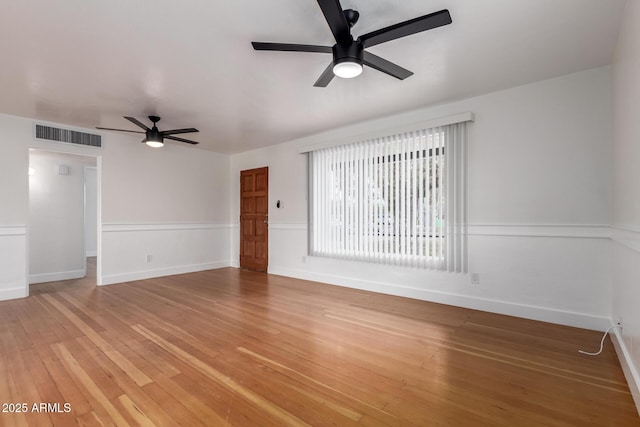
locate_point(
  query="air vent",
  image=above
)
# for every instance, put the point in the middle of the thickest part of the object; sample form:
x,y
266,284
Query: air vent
x,y
66,135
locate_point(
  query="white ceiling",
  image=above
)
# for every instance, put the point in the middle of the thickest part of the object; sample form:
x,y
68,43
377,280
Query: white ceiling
x,y
87,63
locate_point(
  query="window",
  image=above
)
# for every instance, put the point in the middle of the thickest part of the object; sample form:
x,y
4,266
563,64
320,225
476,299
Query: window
x,y
394,200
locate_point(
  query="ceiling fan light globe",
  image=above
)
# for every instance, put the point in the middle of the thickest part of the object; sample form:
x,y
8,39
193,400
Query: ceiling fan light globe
x,y
347,69
154,144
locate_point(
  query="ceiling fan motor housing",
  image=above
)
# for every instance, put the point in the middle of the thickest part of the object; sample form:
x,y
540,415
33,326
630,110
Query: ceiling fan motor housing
x,y
352,52
153,134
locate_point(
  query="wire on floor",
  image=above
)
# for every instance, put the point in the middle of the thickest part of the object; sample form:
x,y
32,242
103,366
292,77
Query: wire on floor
x,y
601,343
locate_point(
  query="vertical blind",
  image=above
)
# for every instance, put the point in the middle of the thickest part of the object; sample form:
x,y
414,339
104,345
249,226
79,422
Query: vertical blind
x,y
396,200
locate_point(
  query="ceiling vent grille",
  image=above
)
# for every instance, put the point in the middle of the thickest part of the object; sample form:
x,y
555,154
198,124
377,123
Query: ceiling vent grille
x,y
66,135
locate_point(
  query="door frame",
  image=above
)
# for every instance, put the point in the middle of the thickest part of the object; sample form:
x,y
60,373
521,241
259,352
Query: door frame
x,y
74,152
266,168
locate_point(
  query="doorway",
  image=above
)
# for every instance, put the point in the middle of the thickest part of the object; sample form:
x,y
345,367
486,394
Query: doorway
x,y
63,202
254,219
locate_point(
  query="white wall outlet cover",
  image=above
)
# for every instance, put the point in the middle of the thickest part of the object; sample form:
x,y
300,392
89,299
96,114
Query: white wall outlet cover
x,y
63,170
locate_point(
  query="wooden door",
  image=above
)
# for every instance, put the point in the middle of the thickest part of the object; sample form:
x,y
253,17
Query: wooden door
x,y
254,217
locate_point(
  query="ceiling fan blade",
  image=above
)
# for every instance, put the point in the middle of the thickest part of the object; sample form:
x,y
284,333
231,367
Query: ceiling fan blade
x,y
289,47
120,130
385,66
338,24
175,138
137,122
177,131
406,28
326,77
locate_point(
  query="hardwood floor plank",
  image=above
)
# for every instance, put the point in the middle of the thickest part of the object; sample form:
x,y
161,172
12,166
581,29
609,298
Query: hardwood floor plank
x,y
138,416
47,390
7,340
60,327
303,378
28,389
148,406
74,369
315,390
233,347
121,336
159,364
184,404
547,349
62,380
138,376
90,419
10,394
221,379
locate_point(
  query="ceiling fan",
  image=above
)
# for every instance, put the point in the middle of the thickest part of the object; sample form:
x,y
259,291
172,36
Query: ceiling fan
x,y
153,136
348,54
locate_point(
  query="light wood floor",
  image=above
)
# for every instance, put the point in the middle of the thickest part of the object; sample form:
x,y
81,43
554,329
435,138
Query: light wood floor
x,y
231,347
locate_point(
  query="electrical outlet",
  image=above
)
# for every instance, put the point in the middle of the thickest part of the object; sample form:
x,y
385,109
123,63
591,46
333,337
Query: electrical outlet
x,y
149,258
304,259
475,278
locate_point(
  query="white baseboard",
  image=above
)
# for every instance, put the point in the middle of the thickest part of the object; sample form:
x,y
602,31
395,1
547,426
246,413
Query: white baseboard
x,y
13,292
91,253
168,271
544,314
629,369
54,277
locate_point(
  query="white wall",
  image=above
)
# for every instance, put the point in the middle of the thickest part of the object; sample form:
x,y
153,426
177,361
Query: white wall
x,y
171,204
91,211
150,203
626,201
539,170
56,216
14,184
